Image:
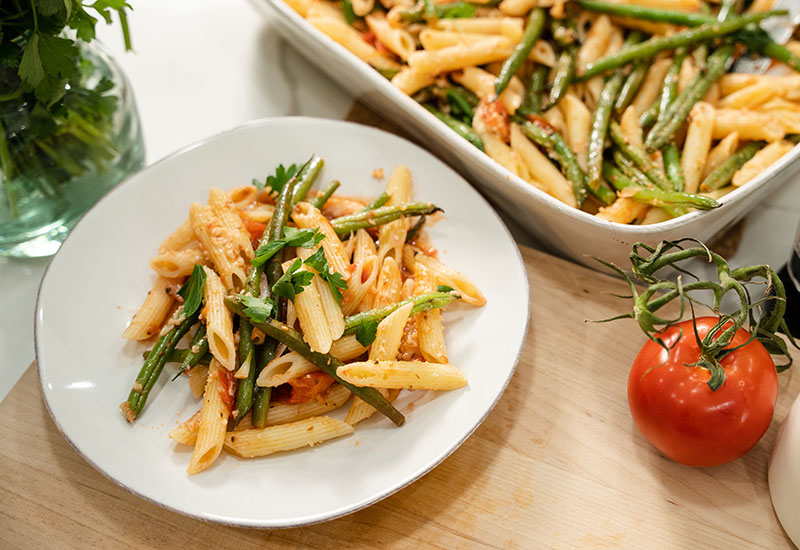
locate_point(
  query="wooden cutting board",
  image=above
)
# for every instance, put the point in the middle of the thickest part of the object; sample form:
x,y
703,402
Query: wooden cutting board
x,y
557,464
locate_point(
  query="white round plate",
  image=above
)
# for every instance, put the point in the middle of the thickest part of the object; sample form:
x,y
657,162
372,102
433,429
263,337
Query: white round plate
x,y
100,277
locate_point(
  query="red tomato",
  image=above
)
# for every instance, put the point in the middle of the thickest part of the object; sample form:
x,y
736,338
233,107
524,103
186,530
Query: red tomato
x,y
307,387
678,413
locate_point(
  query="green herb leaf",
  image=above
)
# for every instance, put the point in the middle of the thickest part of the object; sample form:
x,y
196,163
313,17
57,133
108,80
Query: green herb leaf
x,y
82,23
335,280
302,238
258,310
30,67
292,283
192,290
276,181
444,288
366,332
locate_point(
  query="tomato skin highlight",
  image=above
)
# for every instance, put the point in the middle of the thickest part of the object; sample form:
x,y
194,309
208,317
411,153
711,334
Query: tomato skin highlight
x,y
682,417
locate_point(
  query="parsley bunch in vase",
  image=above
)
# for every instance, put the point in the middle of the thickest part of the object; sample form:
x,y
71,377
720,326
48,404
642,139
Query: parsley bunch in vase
x,y
69,128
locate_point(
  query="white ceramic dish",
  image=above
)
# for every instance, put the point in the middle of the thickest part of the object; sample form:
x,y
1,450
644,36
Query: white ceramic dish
x,y
101,274
565,231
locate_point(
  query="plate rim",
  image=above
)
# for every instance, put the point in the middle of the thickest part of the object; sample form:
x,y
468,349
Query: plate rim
x,y
379,495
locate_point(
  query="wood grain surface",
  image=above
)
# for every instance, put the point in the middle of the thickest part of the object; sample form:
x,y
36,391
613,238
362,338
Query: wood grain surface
x,y
557,464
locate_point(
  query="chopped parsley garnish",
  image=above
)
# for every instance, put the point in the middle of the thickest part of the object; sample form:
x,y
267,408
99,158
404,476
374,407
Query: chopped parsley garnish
x,y
366,333
192,290
257,310
302,238
335,280
276,181
292,282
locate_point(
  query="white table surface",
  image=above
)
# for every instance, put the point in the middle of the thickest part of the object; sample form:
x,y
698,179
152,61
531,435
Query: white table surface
x,y
200,67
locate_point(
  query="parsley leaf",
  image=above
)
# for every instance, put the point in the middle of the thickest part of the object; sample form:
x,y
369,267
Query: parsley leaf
x,y
192,290
335,280
302,238
366,332
291,282
276,182
444,288
257,310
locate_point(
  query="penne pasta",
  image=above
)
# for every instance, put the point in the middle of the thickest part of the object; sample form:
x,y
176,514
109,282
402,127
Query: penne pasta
x,y
410,375
213,422
148,319
219,324
285,437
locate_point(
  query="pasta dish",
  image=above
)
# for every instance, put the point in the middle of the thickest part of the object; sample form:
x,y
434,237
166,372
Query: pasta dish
x,y
632,110
279,303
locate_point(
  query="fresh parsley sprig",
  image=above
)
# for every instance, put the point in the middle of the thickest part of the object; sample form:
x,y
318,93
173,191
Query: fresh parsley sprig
x,y
276,181
292,282
335,280
301,238
192,290
257,309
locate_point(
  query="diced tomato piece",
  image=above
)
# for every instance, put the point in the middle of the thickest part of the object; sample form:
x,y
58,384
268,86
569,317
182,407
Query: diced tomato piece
x,y
227,389
307,387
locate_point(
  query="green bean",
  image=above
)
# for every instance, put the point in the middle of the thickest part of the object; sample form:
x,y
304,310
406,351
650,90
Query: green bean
x,y
200,344
261,395
760,42
639,157
305,178
565,72
599,128
651,47
423,302
565,34
756,40
348,13
511,65
722,174
558,149
650,116
178,355
428,10
379,201
380,216
672,163
630,87
648,14
677,114
630,169
412,233
319,201
670,87
326,362
461,101
244,389
457,126
153,365
655,197
533,94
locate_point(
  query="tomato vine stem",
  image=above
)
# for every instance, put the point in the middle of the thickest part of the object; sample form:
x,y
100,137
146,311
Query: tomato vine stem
x,y
762,323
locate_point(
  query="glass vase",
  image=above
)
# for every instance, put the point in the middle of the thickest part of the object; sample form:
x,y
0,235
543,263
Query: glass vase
x,y
56,162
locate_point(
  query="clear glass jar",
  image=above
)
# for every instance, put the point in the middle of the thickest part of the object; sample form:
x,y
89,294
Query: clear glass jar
x,y
54,168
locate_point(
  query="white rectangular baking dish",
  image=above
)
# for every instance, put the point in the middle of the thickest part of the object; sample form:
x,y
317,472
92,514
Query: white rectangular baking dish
x,y
565,231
